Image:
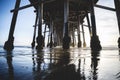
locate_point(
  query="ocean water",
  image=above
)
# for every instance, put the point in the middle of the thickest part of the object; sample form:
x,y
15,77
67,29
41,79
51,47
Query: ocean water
x,y
24,63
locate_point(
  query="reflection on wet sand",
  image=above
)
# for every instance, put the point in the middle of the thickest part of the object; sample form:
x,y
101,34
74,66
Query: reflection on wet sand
x,y
10,65
119,54
37,61
63,70
83,72
59,67
94,64
118,74
58,64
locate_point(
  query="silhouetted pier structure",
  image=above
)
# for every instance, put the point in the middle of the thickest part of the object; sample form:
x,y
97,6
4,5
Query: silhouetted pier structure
x,y
62,17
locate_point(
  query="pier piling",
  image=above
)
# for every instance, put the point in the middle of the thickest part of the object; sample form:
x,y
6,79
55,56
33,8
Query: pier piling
x,y
63,18
9,43
117,7
95,43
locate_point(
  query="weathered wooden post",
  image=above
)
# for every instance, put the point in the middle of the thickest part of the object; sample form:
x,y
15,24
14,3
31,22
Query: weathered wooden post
x,y
73,37
117,7
40,38
34,33
45,33
78,32
88,22
83,32
48,41
9,43
55,38
51,41
51,32
95,43
66,38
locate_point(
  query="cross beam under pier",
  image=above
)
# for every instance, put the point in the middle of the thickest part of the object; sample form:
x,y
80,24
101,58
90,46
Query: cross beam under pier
x,y
105,7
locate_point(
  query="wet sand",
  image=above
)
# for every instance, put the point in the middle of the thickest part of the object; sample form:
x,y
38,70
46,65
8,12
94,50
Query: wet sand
x,y
23,63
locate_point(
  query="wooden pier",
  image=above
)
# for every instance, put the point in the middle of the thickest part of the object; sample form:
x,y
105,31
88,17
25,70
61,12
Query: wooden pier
x,y
63,18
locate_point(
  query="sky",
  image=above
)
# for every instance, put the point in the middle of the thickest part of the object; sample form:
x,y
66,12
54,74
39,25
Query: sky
x,y
106,22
